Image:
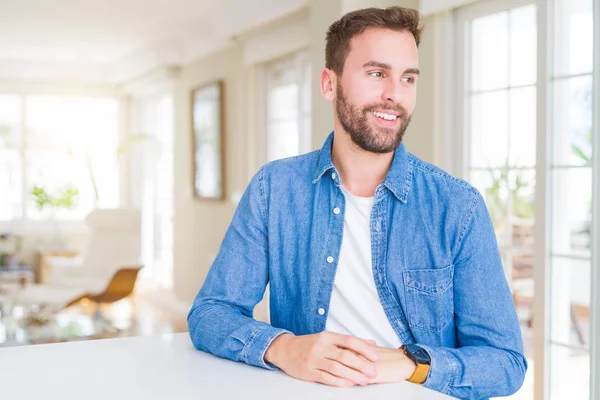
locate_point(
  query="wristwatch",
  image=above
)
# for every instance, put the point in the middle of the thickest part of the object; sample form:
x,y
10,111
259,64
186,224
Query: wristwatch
x,y
422,360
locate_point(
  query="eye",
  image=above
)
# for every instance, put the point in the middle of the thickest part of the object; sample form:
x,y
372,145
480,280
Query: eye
x,y
376,74
409,79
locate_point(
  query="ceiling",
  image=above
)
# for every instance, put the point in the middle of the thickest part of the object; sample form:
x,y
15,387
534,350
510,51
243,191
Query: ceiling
x,y
113,41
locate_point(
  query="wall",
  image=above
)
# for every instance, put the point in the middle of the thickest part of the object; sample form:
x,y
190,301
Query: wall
x,y
200,225
321,15
422,137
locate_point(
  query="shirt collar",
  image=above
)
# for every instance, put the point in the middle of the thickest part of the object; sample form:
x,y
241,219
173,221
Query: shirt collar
x,y
398,179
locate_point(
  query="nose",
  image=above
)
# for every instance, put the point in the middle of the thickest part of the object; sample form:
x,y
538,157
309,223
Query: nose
x,y
392,92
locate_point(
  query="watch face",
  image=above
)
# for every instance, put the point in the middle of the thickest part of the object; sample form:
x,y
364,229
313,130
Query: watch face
x,y
419,354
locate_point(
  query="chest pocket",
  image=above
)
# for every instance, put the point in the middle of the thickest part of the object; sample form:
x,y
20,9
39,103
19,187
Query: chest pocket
x,y
429,297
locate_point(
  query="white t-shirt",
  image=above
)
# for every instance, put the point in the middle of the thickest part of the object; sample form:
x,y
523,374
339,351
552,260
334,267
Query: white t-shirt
x,y
355,308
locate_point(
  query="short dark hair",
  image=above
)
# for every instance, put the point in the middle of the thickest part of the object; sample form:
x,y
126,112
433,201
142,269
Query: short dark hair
x,y
341,32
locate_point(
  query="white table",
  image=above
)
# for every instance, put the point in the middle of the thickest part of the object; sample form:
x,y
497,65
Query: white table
x,y
161,367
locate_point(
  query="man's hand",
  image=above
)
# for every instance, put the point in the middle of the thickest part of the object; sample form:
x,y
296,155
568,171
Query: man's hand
x,y
392,366
326,357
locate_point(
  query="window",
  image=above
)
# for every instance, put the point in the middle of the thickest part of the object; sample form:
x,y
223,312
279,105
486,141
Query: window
x,y
502,106
500,144
151,146
57,144
287,88
286,84
509,85
570,180
11,169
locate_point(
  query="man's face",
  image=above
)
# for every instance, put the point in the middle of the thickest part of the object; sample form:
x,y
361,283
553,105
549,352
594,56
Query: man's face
x,y
376,94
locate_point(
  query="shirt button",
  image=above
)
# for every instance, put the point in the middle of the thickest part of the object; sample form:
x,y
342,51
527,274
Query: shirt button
x,y
329,259
336,211
321,311
333,176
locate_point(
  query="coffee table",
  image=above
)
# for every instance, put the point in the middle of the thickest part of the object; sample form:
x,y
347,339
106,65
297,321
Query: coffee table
x,y
22,325
22,275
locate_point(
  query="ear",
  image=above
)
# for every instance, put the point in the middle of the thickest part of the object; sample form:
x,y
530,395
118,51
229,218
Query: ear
x,y
328,84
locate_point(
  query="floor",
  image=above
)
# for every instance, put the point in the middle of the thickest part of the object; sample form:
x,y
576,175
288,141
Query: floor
x,y
141,315
144,314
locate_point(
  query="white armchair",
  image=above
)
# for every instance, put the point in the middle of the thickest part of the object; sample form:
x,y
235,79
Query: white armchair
x,y
114,244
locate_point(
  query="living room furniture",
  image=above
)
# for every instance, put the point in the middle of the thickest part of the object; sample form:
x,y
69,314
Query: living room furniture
x,y
118,286
108,268
21,275
47,257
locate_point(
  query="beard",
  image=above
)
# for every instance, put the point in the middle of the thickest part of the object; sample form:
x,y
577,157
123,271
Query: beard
x,y
363,134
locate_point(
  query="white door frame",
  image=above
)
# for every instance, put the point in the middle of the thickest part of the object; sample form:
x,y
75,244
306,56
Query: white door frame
x,y
595,300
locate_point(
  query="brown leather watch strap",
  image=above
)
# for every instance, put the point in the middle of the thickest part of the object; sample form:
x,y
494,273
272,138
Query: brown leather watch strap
x,y
420,374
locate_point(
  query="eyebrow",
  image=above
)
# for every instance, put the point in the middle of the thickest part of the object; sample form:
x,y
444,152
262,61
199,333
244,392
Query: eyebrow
x,y
378,64
415,71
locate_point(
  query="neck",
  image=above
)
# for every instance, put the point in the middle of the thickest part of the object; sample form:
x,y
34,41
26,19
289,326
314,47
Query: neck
x,y
360,171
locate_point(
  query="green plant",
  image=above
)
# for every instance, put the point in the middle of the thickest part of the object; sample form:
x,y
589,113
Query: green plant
x,y
128,143
64,199
4,131
5,136
88,164
514,188
585,154
122,149
583,149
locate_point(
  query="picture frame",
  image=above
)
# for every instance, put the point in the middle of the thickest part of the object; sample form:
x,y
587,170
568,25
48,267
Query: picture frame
x,y
208,141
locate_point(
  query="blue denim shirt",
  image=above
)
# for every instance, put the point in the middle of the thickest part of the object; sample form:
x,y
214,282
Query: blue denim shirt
x,y
435,261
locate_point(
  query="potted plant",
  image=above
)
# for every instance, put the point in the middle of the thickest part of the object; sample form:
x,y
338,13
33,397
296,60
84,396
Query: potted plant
x,y
64,198
582,238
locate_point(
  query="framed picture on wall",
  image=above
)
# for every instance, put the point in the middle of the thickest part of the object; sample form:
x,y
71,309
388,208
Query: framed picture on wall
x,y
207,141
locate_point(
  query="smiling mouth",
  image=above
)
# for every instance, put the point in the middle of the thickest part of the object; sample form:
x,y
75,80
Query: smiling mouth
x,y
386,116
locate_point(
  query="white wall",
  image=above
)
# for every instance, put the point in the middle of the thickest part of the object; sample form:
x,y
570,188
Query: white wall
x,y
200,225
322,14
423,136
429,7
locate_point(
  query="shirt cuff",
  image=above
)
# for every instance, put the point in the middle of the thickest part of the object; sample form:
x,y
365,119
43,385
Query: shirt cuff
x,y
256,347
442,370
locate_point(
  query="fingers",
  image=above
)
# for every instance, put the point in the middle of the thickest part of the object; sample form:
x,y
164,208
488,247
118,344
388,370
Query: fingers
x,y
351,360
342,371
355,344
337,360
326,378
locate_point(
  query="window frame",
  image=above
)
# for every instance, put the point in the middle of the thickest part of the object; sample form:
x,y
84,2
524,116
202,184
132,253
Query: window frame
x,y
147,194
458,162
297,60
595,299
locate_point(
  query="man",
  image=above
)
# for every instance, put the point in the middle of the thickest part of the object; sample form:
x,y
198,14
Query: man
x,y
381,267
